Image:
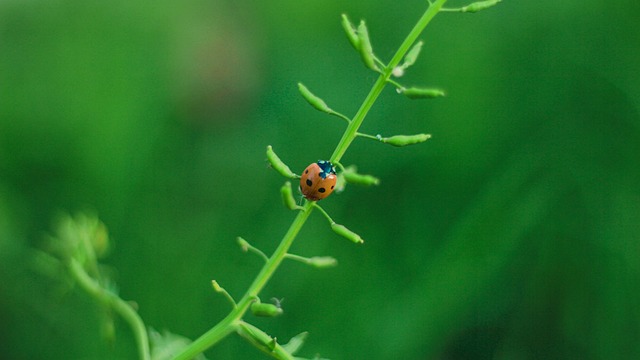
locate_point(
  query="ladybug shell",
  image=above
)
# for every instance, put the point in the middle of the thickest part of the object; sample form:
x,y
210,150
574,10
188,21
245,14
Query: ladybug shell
x,y
317,183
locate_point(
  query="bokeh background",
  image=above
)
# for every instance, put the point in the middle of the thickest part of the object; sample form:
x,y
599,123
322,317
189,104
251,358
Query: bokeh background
x,y
514,233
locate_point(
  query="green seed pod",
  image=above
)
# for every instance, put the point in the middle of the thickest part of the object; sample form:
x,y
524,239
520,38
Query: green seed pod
x,y
295,343
313,100
287,197
341,183
257,337
421,93
350,30
346,233
360,179
404,140
480,5
412,55
278,165
366,50
265,309
216,286
322,261
244,244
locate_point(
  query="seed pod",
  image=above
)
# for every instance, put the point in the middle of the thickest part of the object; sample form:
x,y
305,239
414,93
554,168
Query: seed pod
x,y
287,197
341,183
412,55
217,286
244,244
366,50
313,100
322,261
360,179
421,93
278,165
265,309
346,233
480,5
404,140
350,31
257,337
295,343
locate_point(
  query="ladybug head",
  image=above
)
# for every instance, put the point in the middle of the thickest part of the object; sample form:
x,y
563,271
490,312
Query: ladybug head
x,y
326,168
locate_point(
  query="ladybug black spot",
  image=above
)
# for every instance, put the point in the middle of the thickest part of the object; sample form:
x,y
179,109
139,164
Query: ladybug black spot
x,y
321,190
306,171
309,183
331,187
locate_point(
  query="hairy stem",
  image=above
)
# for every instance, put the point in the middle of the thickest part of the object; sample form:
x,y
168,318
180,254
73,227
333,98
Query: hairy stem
x,y
233,320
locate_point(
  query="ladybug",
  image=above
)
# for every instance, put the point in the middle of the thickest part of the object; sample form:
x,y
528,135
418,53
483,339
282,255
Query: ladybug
x,y
318,180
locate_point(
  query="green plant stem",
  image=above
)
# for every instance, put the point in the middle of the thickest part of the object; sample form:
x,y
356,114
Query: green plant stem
x,y
121,307
324,213
352,130
232,321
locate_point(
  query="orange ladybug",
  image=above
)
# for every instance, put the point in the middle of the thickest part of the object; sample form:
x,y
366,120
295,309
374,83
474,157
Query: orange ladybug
x,y
318,180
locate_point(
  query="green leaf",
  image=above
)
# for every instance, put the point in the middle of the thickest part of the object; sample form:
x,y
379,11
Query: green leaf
x,y
164,346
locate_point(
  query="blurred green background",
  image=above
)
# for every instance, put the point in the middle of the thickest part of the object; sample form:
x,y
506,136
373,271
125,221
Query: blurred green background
x,y
513,234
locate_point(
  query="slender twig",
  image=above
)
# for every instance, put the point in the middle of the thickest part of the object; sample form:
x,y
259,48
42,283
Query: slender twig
x,y
118,305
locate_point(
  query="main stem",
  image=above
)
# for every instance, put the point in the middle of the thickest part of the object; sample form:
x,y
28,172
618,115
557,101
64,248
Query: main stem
x,y
352,129
230,323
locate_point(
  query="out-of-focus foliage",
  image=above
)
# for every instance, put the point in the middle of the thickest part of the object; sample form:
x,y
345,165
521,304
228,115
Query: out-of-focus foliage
x,y
513,233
